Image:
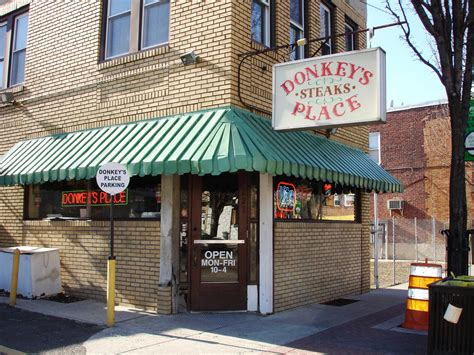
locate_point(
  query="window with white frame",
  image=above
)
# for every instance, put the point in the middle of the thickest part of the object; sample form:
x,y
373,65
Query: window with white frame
x,y
3,34
13,43
349,200
349,37
374,146
325,28
296,27
260,22
133,25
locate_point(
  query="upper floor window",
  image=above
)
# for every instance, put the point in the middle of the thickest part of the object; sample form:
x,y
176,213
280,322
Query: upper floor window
x,y
326,28
374,147
260,22
350,41
297,24
133,25
13,42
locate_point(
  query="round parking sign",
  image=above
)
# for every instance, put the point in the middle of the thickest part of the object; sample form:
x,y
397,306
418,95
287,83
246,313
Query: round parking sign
x,y
469,143
112,178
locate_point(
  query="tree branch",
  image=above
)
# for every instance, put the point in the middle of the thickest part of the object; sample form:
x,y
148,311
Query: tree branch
x,y
407,34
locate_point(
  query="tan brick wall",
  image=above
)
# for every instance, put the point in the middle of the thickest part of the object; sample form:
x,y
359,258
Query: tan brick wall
x,y
67,88
256,73
317,262
84,249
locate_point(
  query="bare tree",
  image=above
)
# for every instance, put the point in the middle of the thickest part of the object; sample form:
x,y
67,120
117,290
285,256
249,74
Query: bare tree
x,y
450,23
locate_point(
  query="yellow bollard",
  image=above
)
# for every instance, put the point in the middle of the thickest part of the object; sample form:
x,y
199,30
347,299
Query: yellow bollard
x,y
111,292
14,284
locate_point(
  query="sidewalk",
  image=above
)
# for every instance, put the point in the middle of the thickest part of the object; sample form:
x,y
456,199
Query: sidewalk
x,y
367,326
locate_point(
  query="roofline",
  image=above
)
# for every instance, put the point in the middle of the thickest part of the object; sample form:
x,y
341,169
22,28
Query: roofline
x,y
420,105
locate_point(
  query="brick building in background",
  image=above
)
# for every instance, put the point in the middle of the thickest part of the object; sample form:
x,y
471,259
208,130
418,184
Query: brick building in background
x,y
85,82
415,147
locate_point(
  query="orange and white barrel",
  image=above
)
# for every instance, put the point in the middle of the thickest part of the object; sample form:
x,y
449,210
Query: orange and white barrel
x,y
421,275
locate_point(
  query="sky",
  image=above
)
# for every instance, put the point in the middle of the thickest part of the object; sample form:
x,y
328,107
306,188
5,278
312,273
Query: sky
x,y
409,82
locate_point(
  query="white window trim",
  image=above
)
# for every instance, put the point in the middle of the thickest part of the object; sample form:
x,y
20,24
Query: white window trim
x,y
378,148
107,26
14,51
347,200
4,83
329,13
267,29
143,24
349,28
11,21
135,43
267,25
299,27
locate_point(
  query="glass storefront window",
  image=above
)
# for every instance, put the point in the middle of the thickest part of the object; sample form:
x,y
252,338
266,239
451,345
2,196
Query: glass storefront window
x,y
296,198
83,199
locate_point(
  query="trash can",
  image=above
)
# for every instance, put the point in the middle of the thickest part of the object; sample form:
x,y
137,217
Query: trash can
x,y
39,274
445,337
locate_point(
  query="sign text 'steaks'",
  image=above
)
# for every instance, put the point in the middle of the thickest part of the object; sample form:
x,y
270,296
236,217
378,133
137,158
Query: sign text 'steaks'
x,y
330,91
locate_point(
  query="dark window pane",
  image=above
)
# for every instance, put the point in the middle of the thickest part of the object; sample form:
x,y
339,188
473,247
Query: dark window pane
x,y
119,6
253,253
118,36
156,24
295,35
292,41
349,38
18,67
325,22
296,11
326,49
83,199
258,22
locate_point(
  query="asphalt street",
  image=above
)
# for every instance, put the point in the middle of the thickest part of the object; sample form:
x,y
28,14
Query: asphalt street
x,y
30,332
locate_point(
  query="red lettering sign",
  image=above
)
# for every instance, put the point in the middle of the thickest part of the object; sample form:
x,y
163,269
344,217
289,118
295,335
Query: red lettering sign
x,y
92,198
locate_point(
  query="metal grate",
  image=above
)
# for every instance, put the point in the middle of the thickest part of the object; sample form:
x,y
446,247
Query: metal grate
x,y
339,302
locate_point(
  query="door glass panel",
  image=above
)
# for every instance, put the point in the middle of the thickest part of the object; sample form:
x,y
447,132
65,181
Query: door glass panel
x,y
219,263
219,229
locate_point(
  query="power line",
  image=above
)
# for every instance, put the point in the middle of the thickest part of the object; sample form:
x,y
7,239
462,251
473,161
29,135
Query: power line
x,y
375,7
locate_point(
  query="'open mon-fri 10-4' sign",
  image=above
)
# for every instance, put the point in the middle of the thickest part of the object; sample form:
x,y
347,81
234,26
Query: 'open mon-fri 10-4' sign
x,y
330,91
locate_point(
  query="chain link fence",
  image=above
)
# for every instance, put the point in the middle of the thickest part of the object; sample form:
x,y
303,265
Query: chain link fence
x,y
402,241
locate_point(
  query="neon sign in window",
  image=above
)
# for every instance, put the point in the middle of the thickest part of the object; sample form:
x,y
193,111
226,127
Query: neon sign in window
x,y
286,197
92,198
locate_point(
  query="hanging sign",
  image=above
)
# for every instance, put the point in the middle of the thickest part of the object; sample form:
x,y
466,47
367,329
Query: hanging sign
x,y
112,178
344,89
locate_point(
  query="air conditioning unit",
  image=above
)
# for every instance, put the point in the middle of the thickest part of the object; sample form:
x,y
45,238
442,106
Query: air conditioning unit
x,y
395,204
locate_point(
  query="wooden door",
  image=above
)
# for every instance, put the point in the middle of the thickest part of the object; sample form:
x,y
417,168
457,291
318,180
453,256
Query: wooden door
x,y
218,251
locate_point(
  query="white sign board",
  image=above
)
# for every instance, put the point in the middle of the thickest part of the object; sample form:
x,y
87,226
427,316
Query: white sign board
x,y
112,178
343,89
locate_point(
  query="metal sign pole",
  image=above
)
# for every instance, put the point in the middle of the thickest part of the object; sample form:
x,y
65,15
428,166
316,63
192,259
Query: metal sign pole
x,y
111,270
112,178
112,226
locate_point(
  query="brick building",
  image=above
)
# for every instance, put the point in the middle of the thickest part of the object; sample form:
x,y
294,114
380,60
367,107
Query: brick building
x,y
159,86
415,147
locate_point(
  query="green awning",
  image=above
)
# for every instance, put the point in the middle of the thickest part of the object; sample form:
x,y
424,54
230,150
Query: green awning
x,y
203,142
